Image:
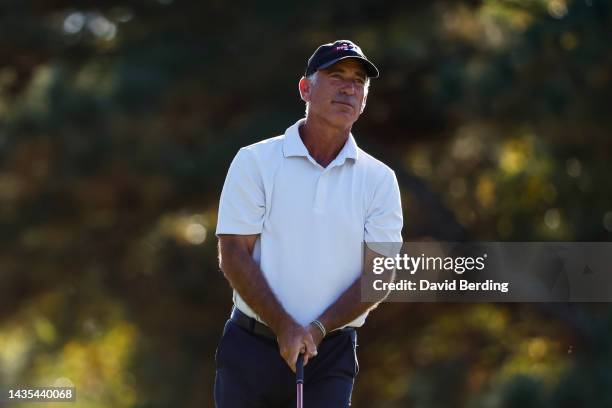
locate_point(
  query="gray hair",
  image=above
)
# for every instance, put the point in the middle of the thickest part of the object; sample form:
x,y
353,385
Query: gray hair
x,y
312,79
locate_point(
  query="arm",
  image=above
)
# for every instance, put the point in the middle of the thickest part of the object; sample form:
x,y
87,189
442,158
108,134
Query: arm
x,y
349,306
241,213
383,224
243,274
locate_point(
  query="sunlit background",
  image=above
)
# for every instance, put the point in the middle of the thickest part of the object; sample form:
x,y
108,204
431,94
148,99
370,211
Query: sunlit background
x,y
118,120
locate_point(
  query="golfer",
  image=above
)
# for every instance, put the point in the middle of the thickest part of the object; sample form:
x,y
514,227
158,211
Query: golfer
x,y
294,214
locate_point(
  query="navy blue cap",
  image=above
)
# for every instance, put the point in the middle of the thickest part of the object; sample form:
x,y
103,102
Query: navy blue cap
x,y
328,54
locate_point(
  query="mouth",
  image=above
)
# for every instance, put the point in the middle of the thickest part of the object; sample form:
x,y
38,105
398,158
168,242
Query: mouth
x,y
343,103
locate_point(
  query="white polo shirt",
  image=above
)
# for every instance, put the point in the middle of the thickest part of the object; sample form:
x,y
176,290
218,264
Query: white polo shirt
x,y
312,221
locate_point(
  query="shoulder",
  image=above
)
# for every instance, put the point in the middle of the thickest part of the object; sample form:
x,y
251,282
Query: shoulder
x,y
265,146
376,170
263,151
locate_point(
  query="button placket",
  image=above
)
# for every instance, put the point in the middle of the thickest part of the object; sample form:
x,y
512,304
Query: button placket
x,y
321,192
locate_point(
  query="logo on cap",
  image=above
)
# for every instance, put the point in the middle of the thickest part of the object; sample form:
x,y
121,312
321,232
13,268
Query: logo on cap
x,y
346,47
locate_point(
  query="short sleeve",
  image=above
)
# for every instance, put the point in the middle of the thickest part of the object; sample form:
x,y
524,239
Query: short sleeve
x,y
242,203
384,218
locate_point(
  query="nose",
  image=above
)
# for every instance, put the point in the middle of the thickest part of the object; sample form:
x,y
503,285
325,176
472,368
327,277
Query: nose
x,y
349,87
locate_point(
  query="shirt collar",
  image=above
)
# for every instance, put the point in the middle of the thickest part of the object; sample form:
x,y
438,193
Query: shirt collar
x,y
293,145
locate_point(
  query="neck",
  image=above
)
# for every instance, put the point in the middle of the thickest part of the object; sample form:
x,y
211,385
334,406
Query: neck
x,y
323,140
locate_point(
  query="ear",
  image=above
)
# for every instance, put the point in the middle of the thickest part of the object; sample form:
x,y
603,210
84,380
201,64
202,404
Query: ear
x,y
363,105
304,87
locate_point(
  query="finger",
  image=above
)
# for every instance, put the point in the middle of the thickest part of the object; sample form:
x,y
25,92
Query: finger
x,y
293,359
311,349
303,351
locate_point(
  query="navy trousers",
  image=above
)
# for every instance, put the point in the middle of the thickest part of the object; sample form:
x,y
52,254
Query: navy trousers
x,y
251,372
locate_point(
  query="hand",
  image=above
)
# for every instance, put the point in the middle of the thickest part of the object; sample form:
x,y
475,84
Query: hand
x,y
315,333
294,339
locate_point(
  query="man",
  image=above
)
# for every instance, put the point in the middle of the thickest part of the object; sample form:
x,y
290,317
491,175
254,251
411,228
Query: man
x,y
294,213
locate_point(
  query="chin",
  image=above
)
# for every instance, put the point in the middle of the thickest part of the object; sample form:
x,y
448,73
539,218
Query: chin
x,y
348,122
341,123
342,119
339,119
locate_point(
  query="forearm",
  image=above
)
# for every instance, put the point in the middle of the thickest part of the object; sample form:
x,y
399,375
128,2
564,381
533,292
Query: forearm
x,y
245,276
348,307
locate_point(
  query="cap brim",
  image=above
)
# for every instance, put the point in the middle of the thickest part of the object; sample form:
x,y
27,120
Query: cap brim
x,y
371,69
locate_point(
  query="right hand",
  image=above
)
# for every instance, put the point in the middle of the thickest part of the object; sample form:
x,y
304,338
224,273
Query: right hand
x,y
294,339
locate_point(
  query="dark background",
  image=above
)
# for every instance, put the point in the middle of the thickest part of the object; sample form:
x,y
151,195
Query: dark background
x,y
118,121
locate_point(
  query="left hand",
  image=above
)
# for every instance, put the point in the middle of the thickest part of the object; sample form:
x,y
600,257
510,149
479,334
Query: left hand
x,y
316,334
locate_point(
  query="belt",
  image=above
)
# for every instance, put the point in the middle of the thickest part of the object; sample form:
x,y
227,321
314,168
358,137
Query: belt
x,y
260,329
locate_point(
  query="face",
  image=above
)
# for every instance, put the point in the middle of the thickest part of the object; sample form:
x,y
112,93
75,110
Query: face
x,y
338,95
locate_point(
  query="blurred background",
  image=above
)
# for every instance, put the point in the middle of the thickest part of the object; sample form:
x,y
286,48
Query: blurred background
x,y
118,121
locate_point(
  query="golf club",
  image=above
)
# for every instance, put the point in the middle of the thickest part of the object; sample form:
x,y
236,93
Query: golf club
x,y
299,380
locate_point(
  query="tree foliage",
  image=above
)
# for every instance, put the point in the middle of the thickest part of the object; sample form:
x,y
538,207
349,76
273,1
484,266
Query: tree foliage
x,y
118,120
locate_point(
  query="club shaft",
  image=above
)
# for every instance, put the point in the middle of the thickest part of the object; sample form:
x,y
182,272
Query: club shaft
x,y
300,396
299,380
